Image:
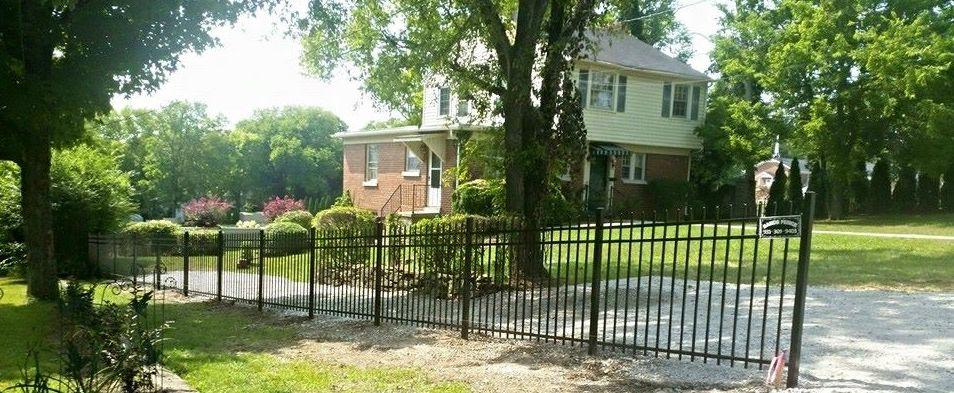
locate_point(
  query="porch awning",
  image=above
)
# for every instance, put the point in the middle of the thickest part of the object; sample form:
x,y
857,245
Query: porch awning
x,y
607,149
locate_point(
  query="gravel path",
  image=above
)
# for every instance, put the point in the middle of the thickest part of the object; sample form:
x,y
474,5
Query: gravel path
x,y
853,340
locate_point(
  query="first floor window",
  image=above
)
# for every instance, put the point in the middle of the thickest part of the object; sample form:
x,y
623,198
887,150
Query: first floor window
x,y
634,167
411,162
371,163
602,90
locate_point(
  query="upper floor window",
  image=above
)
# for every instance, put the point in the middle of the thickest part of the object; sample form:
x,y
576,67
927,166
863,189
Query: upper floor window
x,y
602,90
412,164
634,168
444,101
681,100
371,163
463,107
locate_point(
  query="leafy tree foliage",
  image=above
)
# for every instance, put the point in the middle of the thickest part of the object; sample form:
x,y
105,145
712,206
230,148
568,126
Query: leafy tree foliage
x,y
819,185
860,189
654,22
60,64
880,194
905,191
288,151
848,80
776,199
794,192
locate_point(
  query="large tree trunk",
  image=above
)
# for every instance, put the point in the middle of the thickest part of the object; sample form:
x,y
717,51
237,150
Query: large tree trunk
x,y
38,217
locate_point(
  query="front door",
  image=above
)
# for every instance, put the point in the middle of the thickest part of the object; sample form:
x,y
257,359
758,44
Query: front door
x,y
596,191
434,181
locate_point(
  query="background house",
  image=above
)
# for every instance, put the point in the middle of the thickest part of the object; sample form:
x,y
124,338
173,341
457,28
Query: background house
x,y
640,108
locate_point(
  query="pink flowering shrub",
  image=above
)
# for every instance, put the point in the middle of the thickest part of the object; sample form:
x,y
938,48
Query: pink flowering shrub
x,y
206,211
280,205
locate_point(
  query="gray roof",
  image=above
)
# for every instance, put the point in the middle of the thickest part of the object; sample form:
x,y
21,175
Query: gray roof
x,y
625,50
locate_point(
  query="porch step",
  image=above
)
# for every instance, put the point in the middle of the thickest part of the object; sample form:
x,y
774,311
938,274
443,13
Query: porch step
x,y
429,211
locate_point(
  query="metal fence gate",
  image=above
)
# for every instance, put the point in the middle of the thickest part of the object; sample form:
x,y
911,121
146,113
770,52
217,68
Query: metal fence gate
x,y
709,285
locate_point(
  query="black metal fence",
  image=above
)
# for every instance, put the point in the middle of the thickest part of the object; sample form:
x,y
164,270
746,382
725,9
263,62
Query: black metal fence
x,y
701,285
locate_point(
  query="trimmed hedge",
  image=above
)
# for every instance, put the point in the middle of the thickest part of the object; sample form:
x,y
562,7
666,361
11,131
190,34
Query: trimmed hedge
x,y
481,197
154,229
344,218
285,238
300,217
355,229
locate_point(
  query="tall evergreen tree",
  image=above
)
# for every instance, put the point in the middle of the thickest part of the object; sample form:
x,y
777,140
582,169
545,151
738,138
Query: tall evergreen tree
x,y
859,189
879,196
947,190
776,198
795,186
905,192
928,193
819,185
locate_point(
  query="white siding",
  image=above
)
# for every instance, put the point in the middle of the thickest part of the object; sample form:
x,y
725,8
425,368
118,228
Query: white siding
x,y
642,122
432,106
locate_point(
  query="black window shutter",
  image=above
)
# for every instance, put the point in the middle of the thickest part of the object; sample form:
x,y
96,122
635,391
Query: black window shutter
x,y
584,86
667,97
694,112
621,95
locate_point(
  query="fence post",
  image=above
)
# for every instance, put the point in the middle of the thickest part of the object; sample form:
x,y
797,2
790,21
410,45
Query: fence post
x,y
595,284
311,272
378,270
157,272
801,289
465,287
261,269
185,263
219,262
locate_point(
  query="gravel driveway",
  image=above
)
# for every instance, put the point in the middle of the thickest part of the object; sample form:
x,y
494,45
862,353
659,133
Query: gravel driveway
x,y
853,340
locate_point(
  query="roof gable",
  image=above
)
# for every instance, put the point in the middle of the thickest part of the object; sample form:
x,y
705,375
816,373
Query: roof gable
x,y
624,50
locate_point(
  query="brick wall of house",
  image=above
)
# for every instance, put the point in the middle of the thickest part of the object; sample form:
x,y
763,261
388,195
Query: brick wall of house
x,y
630,197
391,158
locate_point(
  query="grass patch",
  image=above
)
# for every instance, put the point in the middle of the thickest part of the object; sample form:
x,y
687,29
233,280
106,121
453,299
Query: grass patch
x,y
932,224
214,348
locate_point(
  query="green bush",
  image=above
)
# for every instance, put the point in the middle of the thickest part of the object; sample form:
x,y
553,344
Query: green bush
x,y
776,199
481,197
11,223
300,217
202,242
356,225
285,238
344,218
154,229
947,190
668,195
90,195
439,250
880,195
905,191
12,259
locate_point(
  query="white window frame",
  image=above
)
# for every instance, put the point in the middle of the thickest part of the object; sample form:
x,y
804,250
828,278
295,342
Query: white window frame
x,y
371,168
672,100
613,86
440,101
628,169
409,172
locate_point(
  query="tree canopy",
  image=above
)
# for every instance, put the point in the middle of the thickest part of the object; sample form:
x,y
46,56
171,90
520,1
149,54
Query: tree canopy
x,y
60,64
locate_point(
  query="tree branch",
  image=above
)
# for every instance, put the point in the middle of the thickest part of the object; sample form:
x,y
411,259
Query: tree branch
x,y
495,29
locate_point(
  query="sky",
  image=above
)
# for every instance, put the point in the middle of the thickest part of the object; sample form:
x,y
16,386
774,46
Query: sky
x,y
257,67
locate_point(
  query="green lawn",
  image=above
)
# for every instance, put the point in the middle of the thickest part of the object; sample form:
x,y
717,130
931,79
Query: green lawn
x,y
935,224
215,349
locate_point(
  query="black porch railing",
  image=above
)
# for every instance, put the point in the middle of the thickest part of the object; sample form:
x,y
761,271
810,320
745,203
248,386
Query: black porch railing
x,y
700,285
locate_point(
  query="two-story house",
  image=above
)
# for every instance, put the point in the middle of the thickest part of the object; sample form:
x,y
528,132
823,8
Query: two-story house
x,y
640,109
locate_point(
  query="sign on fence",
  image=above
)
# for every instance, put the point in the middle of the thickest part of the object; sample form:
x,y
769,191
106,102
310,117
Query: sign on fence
x,y
780,226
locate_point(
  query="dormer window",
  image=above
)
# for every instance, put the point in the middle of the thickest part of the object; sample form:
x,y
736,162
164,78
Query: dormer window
x,y
444,98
